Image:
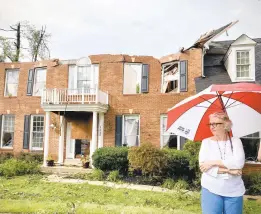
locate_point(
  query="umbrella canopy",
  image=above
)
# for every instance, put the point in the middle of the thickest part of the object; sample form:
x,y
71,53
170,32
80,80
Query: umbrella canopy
x,y
241,102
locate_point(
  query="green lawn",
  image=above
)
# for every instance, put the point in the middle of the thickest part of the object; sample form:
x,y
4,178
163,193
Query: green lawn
x,y
29,194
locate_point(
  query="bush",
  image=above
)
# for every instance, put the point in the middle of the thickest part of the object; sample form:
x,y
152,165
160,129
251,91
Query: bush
x,y
253,183
31,157
177,164
14,167
97,175
111,158
169,183
147,158
114,176
5,156
181,184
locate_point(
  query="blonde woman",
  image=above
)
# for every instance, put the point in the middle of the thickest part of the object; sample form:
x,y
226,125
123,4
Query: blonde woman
x,y
221,160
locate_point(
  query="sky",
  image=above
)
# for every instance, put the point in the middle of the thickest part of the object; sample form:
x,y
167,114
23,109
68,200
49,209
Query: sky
x,y
156,28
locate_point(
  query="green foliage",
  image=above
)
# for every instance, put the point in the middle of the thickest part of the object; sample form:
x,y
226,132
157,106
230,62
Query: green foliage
x,y
111,158
181,184
253,183
137,88
31,157
97,175
177,163
5,156
169,183
147,158
114,176
14,167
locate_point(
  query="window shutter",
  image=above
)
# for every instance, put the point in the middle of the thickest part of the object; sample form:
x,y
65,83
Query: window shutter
x,y
30,82
0,128
118,131
183,76
26,131
145,78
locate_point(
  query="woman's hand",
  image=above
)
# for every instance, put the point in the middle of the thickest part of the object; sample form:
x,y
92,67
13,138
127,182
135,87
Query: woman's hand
x,y
205,166
235,171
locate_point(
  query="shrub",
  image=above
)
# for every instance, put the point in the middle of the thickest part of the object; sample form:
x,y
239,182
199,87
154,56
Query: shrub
x,y
14,167
181,184
111,158
31,157
97,174
5,156
147,158
169,183
114,176
253,183
177,163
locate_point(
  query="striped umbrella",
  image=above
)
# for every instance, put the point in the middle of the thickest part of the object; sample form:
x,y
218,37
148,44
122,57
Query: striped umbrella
x,y
241,102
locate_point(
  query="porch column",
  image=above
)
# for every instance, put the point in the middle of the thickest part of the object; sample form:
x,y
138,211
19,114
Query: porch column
x,y
178,142
61,141
101,130
94,135
46,137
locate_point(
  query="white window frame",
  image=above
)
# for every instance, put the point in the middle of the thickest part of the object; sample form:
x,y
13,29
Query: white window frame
x,y
162,135
35,75
31,133
11,70
123,126
2,132
249,64
162,76
129,63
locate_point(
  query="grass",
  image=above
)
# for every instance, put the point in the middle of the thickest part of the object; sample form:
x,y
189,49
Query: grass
x,y
30,194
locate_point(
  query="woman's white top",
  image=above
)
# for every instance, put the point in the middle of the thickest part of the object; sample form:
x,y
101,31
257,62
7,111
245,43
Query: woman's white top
x,y
223,184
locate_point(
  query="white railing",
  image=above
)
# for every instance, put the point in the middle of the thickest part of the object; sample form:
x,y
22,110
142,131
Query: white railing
x,y
71,96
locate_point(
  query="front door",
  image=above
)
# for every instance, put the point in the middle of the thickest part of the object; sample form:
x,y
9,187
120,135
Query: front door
x,y
70,143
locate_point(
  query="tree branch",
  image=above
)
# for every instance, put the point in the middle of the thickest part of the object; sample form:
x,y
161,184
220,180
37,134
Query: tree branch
x,y
6,30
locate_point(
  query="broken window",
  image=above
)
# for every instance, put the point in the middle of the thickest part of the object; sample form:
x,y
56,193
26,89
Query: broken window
x,y
8,131
174,77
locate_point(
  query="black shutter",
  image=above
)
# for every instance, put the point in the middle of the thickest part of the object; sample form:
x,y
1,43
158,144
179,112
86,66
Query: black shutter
x,y
0,128
118,131
183,76
145,78
26,131
30,82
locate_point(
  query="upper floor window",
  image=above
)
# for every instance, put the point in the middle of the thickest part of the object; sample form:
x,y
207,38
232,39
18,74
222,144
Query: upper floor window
x,y
11,82
174,77
36,81
135,80
243,64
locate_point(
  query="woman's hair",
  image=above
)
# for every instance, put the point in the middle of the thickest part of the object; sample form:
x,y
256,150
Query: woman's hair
x,y
223,116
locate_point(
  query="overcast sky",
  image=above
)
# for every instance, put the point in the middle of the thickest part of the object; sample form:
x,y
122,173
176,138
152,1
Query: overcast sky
x,y
136,27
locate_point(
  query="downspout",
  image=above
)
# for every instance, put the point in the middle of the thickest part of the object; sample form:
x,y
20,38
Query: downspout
x,y
202,62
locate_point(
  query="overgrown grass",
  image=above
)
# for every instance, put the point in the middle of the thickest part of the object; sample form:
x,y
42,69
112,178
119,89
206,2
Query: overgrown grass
x,y
30,194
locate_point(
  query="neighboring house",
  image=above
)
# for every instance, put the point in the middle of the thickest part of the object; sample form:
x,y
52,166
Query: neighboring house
x,y
66,108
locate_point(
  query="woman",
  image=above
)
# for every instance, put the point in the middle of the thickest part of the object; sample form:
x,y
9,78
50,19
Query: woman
x,y
221,160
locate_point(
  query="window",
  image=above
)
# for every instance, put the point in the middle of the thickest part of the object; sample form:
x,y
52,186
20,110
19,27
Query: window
x,y
251,145
37,132
11,82
83,77
243,65
174,77
39,81
7,131
135,80
169,139
131,130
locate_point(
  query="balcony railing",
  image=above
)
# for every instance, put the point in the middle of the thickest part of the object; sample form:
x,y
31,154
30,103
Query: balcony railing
x,y
74,96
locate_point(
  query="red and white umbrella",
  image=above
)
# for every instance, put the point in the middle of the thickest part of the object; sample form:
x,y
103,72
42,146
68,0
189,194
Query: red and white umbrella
x,y
241,102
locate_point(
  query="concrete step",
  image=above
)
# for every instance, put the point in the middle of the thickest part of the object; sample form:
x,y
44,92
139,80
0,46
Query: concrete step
x,y
73,162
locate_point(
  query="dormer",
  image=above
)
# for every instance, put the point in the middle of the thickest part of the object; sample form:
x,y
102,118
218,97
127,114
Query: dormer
x,y
240,60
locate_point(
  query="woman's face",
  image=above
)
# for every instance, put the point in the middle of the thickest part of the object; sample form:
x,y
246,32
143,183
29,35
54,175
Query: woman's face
x,y
216,126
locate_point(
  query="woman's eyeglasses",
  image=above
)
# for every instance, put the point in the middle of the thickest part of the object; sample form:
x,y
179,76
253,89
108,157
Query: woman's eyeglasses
x,y
214,125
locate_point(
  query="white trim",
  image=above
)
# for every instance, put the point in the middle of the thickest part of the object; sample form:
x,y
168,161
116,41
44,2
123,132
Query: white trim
x,y
31,133
134,116
2,131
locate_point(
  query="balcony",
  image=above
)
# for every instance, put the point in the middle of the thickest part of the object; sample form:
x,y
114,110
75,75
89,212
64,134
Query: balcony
x,y
74,99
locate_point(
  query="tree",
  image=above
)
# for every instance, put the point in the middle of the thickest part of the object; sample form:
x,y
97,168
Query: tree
x,y
36,43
